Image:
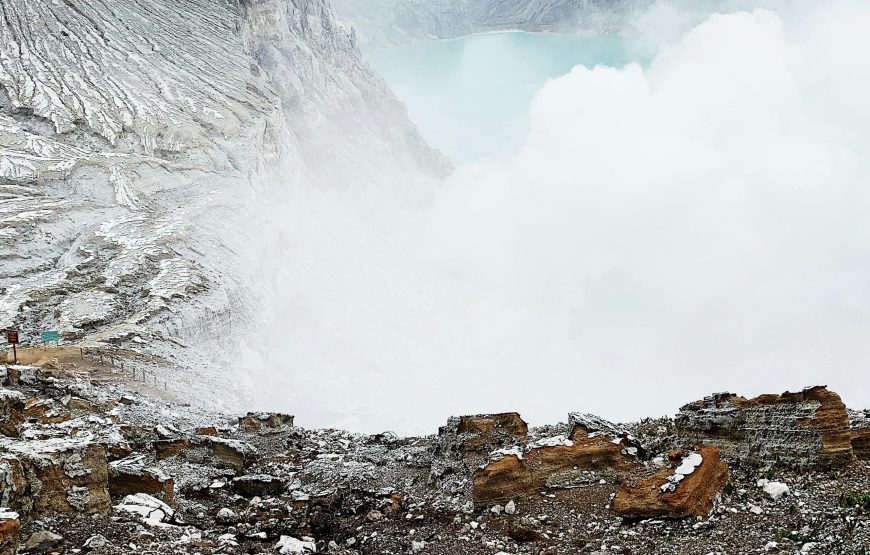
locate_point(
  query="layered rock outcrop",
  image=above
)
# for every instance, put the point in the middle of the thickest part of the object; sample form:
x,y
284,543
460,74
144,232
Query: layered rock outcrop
x,y
133,475
257,421
504,463
221,452
686,486
479,434
553,461
805,429
55,475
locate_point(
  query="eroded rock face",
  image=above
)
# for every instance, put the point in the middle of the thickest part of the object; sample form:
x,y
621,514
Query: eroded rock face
x,y
465,442
9,527
686,486
861,443
131,475
481,433
584,424
256,421
56,475
262,485
805,429
11,404
221,452
517,472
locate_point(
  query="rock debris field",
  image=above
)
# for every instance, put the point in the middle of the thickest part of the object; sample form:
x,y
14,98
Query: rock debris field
x,y
91,467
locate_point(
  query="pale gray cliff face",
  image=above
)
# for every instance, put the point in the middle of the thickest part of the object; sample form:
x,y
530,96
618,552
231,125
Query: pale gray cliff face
x,y
138,136
398,21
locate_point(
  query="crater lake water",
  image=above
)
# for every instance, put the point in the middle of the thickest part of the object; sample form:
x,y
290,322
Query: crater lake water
x,y
470,96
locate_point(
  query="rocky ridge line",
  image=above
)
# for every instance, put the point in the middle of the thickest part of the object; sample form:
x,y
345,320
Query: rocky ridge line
x,y
164,478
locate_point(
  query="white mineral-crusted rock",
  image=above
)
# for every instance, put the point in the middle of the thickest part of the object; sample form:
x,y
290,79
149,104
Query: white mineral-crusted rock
x,y
289,545
150,510
775,490
139,141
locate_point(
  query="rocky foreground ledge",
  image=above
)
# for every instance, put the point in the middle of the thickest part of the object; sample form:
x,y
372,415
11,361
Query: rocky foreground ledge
x,y
91,467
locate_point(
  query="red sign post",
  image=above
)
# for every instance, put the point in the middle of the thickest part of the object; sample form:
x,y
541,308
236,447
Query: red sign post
x,y
12,337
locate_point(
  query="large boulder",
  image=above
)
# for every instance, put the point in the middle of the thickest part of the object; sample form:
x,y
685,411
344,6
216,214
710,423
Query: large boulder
x,y
481,433
55,475
9,528
808,429
466,441
132,475
686,486
518,471
588,425
11,405
149,510
216,451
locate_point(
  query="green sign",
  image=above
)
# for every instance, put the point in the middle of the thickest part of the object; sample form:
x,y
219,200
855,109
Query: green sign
x,y
49,336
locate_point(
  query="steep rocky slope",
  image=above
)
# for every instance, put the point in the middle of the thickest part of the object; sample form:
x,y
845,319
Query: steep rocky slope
x,y
138,140
397,21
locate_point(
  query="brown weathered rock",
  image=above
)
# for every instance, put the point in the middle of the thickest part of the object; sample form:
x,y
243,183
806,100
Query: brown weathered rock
x,y
255,421
11,404
515,472
861,443
130,476
9,528
679,490
56,475
206,431
9,401
45,411
805,429
217,451
18,374
480,434
584,425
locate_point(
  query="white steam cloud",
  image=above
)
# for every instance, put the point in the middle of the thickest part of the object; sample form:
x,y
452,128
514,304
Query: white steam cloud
x,y
701,224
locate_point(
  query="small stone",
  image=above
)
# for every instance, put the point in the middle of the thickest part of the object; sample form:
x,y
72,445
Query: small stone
x,y
510,508
416,546
776,490
43,541
289,545
95,542
374,516
226,516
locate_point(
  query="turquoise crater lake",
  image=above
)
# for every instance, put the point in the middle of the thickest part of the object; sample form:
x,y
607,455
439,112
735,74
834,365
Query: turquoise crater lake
x,y
470,96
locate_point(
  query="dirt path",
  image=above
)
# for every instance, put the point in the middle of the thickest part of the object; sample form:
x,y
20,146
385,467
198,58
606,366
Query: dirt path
x,y
107,365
